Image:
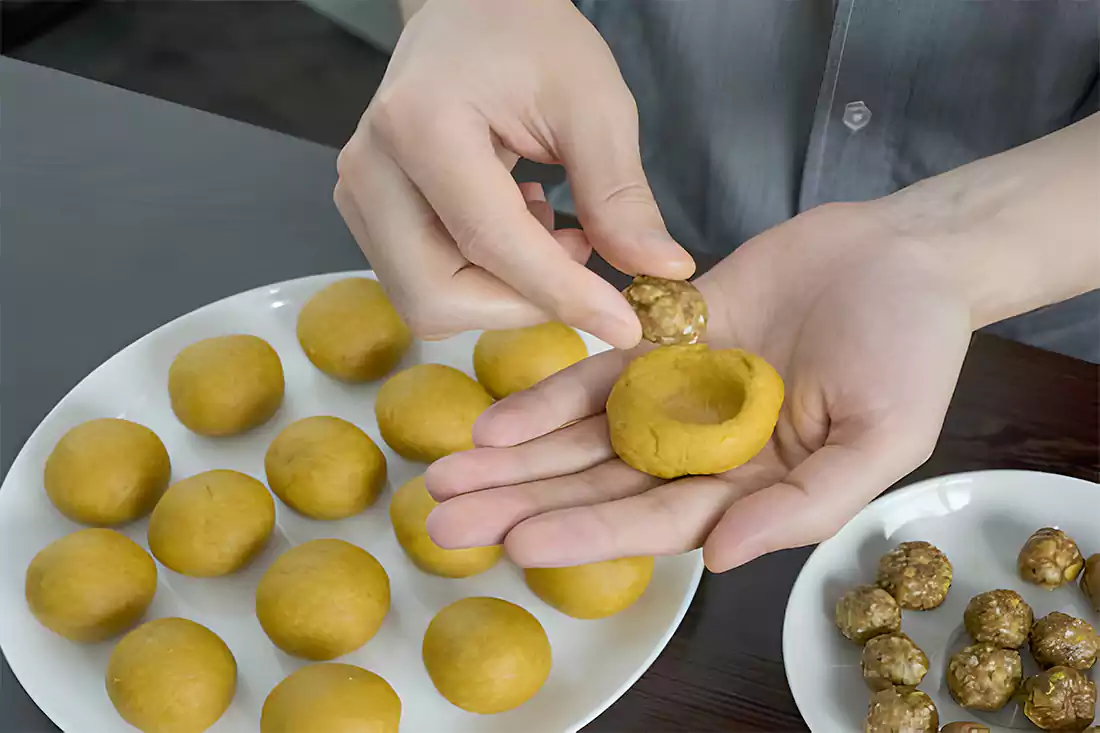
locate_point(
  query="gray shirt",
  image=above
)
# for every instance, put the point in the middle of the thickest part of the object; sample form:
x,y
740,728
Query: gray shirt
x,y
754,110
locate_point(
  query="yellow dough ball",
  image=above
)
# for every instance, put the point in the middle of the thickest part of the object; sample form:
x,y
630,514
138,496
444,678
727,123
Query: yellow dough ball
x,y
351,331
90,585
331,698
171,675
107,472
211,523
325,468
595,590
323,599
226,385
428,411
486,655
518,358
409,512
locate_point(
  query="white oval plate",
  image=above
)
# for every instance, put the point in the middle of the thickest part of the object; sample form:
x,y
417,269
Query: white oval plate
x,y
980,520
594,661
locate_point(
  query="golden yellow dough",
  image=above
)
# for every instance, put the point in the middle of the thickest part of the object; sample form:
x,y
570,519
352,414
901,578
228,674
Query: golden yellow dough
x,y
171,675
331,698
325,468
211,523
595,590
90,585
226,385
107,472
409,512
486,655
323,599
518,358
690,410
351,331
428,411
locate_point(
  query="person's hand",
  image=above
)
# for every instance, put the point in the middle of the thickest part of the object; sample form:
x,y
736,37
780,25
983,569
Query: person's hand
x,y
869,333
425,184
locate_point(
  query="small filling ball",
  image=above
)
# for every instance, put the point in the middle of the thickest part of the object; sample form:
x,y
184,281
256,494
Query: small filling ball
x,y
964,727
1058,639
999,617
984,676
1061,698
916,574
901,710
893,659
1050,559
866,612
671,311
334,697
1090,581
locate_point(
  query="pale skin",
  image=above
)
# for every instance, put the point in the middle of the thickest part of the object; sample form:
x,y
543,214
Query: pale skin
x,y
865,309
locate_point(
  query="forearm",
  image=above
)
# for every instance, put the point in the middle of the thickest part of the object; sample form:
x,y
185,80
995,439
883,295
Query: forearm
x,y
1017,230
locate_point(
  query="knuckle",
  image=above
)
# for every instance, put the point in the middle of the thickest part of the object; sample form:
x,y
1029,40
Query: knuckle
x,y
479,240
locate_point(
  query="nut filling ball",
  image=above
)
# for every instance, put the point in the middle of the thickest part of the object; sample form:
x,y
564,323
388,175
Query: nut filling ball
x,y
1090,581
1058,639
866,612
893,659
916,574
999,617
984,677
964,727
671,311
901,710
1059,699
1050,559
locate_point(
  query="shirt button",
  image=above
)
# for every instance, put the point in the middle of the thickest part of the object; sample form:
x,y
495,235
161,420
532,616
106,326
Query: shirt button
x,y
856,115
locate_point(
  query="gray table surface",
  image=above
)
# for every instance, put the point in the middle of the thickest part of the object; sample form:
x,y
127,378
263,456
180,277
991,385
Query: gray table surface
x,y
119,212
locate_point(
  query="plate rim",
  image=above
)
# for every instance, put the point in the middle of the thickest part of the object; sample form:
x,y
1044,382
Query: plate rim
x,y
57,712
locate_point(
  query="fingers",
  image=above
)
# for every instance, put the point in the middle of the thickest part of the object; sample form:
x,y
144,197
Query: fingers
x,y
573,393
485,517
569,450
573,241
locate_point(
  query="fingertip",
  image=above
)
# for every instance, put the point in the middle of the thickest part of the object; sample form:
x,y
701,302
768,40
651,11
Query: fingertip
x,y
721,555
500,425
442,530
440,480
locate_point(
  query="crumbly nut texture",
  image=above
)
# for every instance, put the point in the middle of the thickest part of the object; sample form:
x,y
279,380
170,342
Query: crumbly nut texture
x,y
901,710
1050,559
1060,639
893,659
866,612
1060,699
964,727
671,311
1090,581
1000,617
984,676
917,574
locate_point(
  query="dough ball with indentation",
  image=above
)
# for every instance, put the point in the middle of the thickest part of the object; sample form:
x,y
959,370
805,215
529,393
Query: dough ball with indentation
x,y
519,358
322,599
325,468
892,659
1061,698
107,472
594,590
1000,617
211,523
90,585
1050,559
486,655
331,698
428,411
866,612
917,574
351,331
901,710
1059,639
171,675
984,676
226,385
409,512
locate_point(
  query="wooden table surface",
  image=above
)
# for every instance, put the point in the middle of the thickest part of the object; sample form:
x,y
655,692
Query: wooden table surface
x,y
122,212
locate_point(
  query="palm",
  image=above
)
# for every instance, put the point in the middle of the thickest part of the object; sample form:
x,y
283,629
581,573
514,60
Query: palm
x,y
869,343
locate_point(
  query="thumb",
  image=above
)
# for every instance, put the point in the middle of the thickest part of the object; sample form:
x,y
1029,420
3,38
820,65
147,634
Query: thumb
x,y
615,205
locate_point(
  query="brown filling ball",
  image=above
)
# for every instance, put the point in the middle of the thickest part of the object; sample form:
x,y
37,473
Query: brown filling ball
x,y
898,709
866,612
671,311
1060,639
1050,559
1000,617
1059,699
893,659
984,677
917,574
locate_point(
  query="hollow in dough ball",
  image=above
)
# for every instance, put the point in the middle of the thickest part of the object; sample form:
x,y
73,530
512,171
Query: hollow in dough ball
x,y
516,359
322,599
428,411
90,585
211,523
351,331
226,385
594,590
331,697
325,468
107,472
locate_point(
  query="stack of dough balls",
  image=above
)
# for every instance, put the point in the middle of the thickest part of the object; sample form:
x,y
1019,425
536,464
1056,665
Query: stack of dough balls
x,y
516,359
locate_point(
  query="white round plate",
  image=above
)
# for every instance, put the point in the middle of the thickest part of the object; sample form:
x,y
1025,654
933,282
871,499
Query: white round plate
x,y
594,661
981,520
